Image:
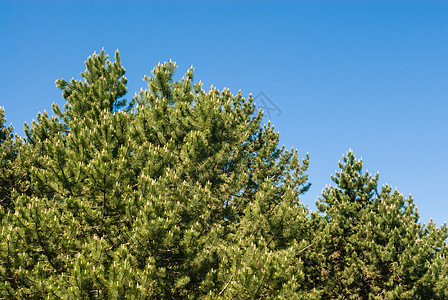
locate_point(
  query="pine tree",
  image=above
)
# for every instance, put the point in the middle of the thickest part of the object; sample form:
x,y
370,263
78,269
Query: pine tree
x,y
183,194
369,244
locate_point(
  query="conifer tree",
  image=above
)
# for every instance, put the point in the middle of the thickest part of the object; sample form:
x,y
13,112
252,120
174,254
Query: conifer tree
x,y
183,194
369,244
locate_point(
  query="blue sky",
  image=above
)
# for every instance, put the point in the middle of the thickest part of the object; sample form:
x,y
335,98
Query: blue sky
x,y
367,75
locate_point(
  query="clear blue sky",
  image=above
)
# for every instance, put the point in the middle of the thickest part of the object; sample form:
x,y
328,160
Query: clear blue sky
x,y
366,75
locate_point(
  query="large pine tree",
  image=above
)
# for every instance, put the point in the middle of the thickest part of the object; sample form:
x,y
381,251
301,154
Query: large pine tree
x,y
182,194
369,243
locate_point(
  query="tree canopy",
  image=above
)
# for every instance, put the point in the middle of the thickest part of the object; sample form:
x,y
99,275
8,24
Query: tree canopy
x,y
184,193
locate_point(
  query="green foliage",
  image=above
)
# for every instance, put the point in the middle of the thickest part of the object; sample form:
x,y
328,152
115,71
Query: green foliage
x,y
13,175
7,158
370,245
182,193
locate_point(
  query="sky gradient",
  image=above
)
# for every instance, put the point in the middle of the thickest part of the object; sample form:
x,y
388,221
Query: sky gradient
x,y
371,76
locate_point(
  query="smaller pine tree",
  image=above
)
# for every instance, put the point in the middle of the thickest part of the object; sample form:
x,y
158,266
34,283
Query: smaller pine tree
x,y
369,244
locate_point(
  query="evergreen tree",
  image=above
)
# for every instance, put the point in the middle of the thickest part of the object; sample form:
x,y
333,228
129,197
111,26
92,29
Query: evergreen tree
x,y
369,244
183,194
